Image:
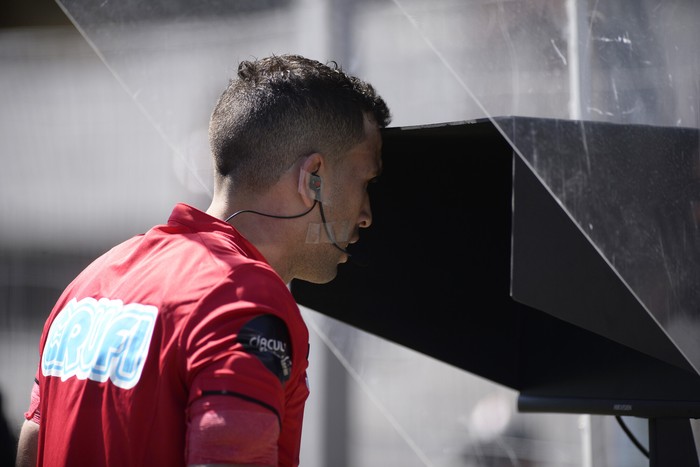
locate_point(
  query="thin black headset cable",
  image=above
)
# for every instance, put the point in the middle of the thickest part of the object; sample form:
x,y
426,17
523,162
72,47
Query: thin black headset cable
x,y
328,230
274,216
295,216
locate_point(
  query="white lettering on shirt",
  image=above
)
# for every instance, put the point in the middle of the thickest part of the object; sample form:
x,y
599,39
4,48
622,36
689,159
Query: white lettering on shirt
x,y
99,340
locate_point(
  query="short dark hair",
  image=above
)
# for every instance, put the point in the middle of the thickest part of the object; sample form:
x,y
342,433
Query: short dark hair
x,y
284,107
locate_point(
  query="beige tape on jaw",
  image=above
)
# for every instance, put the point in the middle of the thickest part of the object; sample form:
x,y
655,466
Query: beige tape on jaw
x,y
331,232
341,232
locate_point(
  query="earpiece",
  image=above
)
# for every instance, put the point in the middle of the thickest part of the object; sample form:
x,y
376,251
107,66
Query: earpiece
x,y
315,185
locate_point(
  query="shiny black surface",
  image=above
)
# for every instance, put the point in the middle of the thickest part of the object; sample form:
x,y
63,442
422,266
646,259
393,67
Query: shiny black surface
x,y
440,269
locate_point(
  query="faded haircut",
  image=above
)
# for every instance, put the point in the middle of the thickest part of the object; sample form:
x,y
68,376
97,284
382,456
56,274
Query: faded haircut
x,y
284,107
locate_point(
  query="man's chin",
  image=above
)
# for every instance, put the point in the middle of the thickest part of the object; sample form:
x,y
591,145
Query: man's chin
x,y
322,279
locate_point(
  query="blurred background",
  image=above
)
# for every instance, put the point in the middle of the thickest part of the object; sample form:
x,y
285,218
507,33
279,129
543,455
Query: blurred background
x,y
103,128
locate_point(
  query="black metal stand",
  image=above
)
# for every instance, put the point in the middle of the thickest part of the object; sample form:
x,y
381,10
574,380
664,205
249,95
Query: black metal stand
x,y
671,443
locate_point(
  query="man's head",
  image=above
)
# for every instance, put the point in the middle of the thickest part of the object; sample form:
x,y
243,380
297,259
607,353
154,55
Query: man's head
x,y
281,108
289,134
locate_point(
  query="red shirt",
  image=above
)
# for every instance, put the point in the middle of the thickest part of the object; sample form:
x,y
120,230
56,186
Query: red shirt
x,y
187,309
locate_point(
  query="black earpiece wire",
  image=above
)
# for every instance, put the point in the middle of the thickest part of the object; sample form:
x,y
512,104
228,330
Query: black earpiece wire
x,y
274,216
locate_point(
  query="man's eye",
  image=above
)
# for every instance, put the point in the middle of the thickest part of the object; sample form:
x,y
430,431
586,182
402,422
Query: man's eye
x,y
372,185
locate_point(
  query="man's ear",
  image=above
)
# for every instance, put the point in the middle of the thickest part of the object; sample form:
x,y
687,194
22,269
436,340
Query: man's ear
x,y
310,178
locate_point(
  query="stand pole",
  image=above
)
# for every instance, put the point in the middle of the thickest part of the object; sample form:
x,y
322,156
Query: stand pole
x,y
671,443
